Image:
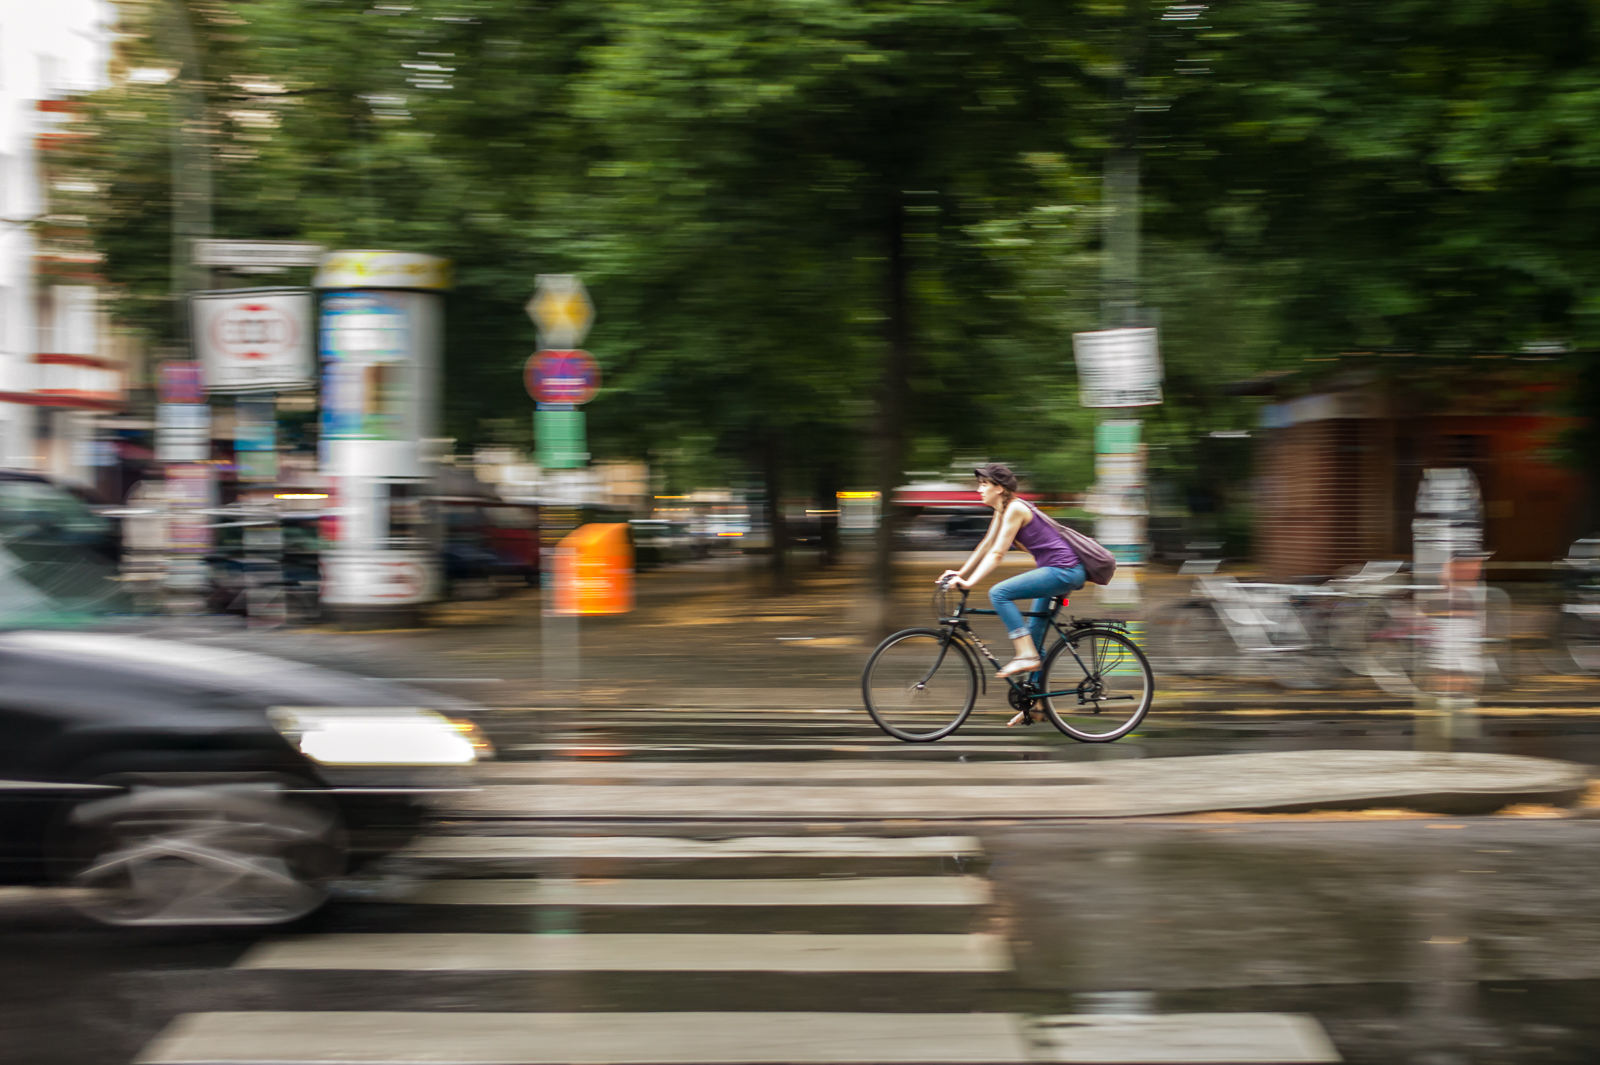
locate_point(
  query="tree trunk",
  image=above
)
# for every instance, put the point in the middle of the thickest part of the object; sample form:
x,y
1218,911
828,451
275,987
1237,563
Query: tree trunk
x,y
828,485
893,400
772,474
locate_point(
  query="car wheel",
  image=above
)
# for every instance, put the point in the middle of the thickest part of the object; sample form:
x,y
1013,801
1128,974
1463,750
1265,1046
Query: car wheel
x,y
201,856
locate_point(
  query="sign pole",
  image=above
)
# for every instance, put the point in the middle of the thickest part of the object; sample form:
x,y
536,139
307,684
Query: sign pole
x,y
560,378
183,446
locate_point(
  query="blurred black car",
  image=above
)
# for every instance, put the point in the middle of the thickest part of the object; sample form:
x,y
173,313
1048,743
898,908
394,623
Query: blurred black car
x,y
179,783
659,543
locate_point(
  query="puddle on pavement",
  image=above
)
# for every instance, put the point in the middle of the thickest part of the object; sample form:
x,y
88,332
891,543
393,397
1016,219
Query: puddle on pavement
x,y
1475,946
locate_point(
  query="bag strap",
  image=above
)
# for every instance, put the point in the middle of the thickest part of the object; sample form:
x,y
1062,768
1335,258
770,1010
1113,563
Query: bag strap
x,y
1060,529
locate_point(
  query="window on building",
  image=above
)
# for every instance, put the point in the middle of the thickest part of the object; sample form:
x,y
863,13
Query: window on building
x,y
75,319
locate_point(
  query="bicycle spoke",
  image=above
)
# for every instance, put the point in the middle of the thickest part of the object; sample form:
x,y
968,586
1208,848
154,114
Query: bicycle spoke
x,y
919,685
1113,690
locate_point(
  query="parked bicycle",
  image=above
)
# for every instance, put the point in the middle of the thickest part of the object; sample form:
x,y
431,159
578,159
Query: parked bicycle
x,y
1573,640
1378,629
1094,683
1231,627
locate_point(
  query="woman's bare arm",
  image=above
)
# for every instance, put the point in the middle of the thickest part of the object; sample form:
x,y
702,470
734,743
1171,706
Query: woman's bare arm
x,y
994,547
977,552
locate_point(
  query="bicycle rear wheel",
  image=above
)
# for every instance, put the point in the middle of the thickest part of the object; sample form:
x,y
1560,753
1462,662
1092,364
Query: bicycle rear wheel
x,y
1097,684
920,684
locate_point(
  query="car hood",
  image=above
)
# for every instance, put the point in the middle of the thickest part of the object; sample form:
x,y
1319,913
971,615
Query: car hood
x,y
262,680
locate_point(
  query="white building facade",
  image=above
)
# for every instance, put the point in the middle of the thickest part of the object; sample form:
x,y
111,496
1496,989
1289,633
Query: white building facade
x,y
60,367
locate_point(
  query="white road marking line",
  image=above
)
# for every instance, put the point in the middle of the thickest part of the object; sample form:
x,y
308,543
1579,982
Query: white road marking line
x,y
636,952
395,1038
818,891
637,847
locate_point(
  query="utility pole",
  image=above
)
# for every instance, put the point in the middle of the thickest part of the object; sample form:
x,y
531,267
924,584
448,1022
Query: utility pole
x,y
1119,366
189,484
191,165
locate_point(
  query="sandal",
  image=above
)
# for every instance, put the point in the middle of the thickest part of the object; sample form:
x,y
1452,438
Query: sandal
x,y
1018,665
1025,717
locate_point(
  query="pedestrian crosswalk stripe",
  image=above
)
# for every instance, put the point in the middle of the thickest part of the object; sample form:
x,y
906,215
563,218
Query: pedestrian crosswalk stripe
x,y
801,773
816,891
397,1038
967,744
650,847
718,802
636,952
755,719
845,741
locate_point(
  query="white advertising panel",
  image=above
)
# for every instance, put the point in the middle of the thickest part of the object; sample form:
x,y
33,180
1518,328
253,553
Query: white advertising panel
x,y
254,340
379,578
1118,367
183,432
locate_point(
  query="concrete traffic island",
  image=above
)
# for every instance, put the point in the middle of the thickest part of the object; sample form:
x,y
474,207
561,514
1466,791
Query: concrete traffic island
x,y
1267,782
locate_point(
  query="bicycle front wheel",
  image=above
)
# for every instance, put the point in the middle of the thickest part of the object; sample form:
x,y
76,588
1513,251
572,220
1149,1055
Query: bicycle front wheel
x,y
1097,685
920,684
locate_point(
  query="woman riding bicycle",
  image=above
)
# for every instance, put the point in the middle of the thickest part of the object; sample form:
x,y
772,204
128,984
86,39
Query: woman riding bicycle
x,y
1058,570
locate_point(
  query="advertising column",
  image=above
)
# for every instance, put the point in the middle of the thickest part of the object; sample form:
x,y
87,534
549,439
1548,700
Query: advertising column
x,y
1447,540
380,325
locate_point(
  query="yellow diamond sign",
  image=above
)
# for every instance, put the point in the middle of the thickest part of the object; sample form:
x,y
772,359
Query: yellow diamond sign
x,y
561,309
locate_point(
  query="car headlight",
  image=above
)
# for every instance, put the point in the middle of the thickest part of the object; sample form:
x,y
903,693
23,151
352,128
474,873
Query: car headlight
x,y
339,735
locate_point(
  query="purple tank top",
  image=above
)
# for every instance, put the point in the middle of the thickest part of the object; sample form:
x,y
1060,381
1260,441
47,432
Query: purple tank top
x,y
1048,547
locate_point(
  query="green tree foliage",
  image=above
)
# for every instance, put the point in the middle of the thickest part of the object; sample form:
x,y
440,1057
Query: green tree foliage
x,y
1418,177
819,231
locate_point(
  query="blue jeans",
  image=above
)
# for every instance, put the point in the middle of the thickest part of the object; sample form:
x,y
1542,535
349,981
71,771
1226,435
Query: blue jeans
x,y
1040,584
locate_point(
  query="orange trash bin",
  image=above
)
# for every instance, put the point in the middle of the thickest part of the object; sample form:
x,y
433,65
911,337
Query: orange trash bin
x,y
594,571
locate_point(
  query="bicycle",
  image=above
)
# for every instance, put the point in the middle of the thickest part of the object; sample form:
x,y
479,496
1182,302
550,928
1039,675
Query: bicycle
x,y
920,684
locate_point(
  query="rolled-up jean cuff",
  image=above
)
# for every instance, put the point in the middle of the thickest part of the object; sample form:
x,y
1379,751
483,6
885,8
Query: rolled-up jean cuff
x,y
1017,634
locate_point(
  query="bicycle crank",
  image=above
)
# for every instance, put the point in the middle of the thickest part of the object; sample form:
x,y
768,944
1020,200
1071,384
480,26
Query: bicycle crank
x,y
1020,699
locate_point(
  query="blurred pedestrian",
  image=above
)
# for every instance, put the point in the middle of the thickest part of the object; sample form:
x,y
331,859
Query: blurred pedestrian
x,y
1057,571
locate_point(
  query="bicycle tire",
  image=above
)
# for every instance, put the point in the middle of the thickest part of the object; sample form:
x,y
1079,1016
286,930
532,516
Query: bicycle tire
x,y
905,664
1190,641
1122,674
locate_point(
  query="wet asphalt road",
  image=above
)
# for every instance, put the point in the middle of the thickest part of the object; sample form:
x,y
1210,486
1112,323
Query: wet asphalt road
x,y
1427,940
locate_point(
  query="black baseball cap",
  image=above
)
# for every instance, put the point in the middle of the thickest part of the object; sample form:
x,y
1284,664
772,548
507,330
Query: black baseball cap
x,y
998,473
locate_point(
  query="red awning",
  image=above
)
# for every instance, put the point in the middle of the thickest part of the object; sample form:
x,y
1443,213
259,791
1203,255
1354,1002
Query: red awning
x,y
945,497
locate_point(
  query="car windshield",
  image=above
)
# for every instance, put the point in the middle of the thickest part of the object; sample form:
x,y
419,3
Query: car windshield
x,y
57,558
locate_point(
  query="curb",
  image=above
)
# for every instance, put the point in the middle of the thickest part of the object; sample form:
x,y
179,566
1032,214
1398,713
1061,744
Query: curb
x,y
1261,783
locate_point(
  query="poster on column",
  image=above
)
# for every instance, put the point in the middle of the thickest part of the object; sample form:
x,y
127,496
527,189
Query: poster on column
x,y
255,440
367,376
1118,501
191,491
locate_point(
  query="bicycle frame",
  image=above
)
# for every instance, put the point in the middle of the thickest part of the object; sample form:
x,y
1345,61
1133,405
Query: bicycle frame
x,y
957,627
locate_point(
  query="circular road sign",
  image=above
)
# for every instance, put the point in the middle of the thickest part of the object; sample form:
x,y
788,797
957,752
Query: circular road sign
x,y
255,330
562,376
